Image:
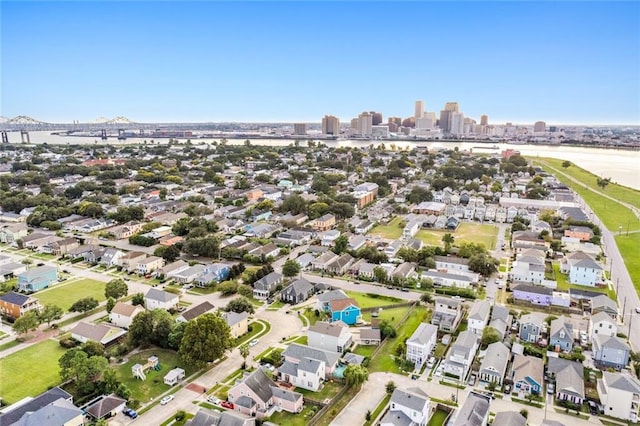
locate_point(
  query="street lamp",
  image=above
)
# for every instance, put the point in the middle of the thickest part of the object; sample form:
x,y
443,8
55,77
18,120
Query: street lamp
x,y
619,230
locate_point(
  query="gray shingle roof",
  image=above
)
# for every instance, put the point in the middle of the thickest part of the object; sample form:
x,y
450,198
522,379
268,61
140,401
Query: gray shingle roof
x,y
569,375
197,311
299,352
621,381
413,400
473,412
44,399
614,342
14,298
509,418
496,359
423,333
480,310
334,329
260,384
59,412
160,295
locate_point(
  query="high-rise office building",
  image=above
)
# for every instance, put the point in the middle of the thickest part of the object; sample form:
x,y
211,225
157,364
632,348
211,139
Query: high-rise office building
x,y
396,120
365,121
419,111
376,118
330,125
451,121
299,129
539,126
451,106
484,120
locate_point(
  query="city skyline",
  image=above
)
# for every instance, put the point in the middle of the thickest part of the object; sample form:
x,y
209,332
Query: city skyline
x,y
170,62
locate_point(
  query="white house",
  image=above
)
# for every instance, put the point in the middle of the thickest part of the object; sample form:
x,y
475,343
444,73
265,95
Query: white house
x,y
421,343
123,314
461,355
159,299
620,395
602,323
408,407
330,336
583,269
478,316
446,279
308,373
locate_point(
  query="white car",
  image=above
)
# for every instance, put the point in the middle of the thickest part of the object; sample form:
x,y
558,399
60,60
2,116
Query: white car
x,y
431,362
214,400
167,399
253,342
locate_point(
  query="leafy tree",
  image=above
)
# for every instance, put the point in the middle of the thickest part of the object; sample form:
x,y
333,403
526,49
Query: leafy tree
x,y
341,244
483,264
84,305
141,329
111,303
205,339
426,298
603,182
93,348
171,253
163,324
489,335
123,391
25,323
524,412
448,240
241,304
175,337
50,313
566,164
138,299
151,327
355,375
380,274
390,386
244,353
293,204
419,194
84,370
228,288
116,289
387,329
110,382
291,268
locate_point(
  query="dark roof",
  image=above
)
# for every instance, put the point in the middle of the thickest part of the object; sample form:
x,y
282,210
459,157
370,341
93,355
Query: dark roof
x,y
196,311
35,404
259,383
529,288
14,298
59,412
104,406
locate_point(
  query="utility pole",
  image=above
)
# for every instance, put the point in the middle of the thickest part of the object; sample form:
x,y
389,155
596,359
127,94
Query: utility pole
x,y
630,318
624,307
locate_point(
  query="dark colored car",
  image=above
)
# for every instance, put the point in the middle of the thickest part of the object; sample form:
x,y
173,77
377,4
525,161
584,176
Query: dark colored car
x,y
130,413
593,408
227,404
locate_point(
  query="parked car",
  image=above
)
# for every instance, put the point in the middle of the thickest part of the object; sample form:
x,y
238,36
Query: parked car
x,y
167,399
215,401
129,412
253,342
227,404
187,286
550,388
507,389
431,362
66,271
472,380
637,310
40,264
593,408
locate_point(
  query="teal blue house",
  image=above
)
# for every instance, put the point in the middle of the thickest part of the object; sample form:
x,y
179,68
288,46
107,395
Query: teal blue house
x,y
345,310
37,278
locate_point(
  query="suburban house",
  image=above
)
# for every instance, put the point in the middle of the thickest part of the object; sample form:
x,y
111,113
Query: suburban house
x,y
461,354
421,344
160,299
215,272
237,322
195,312
111,257
206,417
494,363
297,292
12,233
345,310
527,374
610,351
52,404
447,315
308,373
569,376
129,261
61,247
37,278
266,285
510,418
583,233
105,407
324,299
324,260
478,316
561,334
340,265
188,274
324,223
408,407
174,268
529,267
620,395
447,279
328,238
257,395
535,294
474,411
602,324
531,327
332,337
101,333
500,320
295,353
369,336
602,303
123,314
582,269
451,263
13,305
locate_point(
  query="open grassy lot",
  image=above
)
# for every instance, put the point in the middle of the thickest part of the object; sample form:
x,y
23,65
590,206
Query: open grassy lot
x,y
392,230
629,246
383,360
611,213
392,315
64,295
372,300
468,231
290,419
622,193
364,350
30,371
143,390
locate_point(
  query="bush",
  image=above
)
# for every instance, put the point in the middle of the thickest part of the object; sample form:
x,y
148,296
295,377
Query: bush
x,y
133,403
180,415
69,343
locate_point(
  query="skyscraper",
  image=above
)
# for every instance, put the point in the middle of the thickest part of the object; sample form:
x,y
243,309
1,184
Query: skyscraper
x,y
451,106
396,120
365,121
484,120
539,126
419,111
376,117
299,129
330,125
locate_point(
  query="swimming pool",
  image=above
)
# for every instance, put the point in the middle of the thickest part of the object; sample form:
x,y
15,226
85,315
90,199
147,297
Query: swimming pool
x,y
339,371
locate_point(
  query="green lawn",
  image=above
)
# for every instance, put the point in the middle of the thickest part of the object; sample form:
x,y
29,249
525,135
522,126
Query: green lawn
x,y
565,285
364,350
64,295
392,315
328,391
143,390
629,246
438,418
290,419
256,328
622,193
30,371
372,301
392,230
383,361
467,231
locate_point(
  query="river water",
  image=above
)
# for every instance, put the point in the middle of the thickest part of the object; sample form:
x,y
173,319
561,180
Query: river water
x,y
622,166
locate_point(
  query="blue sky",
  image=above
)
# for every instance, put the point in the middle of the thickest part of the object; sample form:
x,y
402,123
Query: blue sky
x,y
567,62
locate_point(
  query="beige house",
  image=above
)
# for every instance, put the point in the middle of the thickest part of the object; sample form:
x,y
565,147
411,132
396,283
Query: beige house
x,y
123,314
129,261
238,323
150,264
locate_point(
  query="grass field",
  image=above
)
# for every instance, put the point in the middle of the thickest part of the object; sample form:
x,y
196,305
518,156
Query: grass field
x,y
64,295
367,301
467,231
438,418
30,371
622,193
612,214
629,246
300,419
392,230
392,315
143,390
